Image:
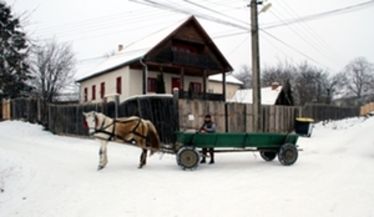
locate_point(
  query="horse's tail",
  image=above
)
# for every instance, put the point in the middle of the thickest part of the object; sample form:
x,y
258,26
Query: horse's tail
x,y
153,138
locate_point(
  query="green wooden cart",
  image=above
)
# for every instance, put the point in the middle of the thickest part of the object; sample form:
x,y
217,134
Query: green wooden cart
x,y
269,145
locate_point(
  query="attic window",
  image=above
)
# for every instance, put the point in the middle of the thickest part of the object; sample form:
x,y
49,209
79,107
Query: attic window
x,y
187,46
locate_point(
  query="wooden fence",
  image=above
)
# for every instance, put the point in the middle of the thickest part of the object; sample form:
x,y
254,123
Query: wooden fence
x,y
68,119
328,112
366,109
239,116
170,114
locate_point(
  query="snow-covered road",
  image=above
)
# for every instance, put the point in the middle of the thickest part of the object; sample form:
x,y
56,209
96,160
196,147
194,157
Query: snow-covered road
x,y
47,175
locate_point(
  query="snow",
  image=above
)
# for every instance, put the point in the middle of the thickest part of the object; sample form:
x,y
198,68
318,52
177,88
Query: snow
x,y
268,95
42,174
229,79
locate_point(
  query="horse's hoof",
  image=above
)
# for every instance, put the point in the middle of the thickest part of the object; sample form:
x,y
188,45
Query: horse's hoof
x,y
100,167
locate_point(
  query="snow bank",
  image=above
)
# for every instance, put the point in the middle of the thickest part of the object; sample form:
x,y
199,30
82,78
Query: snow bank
x,y
48,175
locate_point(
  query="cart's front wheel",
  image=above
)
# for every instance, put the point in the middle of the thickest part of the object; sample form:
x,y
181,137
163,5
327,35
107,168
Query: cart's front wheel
x,y
287,154
268,155
188,158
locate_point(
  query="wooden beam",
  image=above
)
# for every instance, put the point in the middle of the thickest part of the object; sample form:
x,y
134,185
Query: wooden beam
x,y
205,72
182,80
224,85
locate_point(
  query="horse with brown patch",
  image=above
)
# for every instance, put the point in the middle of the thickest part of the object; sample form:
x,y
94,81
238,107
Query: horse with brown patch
x,y
132,130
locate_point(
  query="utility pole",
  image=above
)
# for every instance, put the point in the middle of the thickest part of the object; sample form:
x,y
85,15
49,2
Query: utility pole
x,y
256,102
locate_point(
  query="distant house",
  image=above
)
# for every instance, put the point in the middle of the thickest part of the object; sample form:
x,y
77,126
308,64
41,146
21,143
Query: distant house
x,y
273,95
232,85
353,101
182,56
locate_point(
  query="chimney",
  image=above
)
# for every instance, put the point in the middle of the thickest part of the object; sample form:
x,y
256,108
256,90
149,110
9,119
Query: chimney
x,y
120,47
274,85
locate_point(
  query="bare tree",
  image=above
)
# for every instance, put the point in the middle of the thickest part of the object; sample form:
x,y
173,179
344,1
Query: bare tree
x,y
358,77
311,84
282,73
245,75
333,86
53,69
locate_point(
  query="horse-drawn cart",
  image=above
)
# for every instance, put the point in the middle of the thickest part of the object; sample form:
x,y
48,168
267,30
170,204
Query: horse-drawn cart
x,y
142,133
268,144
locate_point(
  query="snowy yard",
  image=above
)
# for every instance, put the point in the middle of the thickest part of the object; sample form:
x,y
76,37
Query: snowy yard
x,y
47,175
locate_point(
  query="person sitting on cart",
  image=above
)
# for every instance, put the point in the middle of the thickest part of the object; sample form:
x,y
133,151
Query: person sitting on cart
x,y
208,127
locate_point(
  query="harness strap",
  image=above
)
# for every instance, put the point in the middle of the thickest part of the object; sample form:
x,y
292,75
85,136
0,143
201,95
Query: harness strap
x,y
112,134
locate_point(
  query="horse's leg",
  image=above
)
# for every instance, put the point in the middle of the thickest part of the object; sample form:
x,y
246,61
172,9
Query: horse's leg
x,y
143,158
103,154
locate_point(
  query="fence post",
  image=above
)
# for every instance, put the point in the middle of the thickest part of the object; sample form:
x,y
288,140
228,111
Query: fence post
x,y
116,104
226,118
176,105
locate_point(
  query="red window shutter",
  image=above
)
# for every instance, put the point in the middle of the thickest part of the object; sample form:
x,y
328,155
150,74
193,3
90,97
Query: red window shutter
x,y
93,92
119,85
152,84
175,83
85,94
102,90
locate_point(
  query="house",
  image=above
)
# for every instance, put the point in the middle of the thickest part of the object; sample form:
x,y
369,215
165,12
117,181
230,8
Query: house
x,y
232,85
273,95
182,56
353,101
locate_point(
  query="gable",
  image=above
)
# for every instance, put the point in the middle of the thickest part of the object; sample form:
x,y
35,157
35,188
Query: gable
x,y
184,45
191,47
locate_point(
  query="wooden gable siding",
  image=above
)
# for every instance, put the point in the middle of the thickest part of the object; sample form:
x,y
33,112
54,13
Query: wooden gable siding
x,y
203,55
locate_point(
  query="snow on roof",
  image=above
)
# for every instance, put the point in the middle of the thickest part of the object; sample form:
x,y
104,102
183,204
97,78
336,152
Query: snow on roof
x,y
229,79
268,96
135,50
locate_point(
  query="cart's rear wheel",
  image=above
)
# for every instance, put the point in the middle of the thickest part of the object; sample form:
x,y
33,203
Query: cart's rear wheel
x,y
268,155
287,154
188,158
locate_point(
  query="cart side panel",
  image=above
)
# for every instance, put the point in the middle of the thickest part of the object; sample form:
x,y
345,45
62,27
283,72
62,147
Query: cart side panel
x,y
235,140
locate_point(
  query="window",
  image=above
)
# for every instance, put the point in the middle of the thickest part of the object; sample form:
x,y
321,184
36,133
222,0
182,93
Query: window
x,y
195,87
102,90
85,94
93,92
152,84
175,83
119,85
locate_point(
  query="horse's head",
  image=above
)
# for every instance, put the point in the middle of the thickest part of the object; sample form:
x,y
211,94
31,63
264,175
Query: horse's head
x,y
90,121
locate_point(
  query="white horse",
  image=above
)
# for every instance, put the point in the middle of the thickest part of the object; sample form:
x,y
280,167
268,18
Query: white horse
x,y
132,130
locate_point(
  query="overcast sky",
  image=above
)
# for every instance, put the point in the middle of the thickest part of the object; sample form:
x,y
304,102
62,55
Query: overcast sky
x,y
95,28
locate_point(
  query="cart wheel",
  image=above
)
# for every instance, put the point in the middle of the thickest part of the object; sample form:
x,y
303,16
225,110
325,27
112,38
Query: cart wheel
x,y
188,158
268,155
287,154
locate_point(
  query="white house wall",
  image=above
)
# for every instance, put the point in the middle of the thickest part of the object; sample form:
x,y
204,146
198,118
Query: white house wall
x,y
216,87
110,84
132,82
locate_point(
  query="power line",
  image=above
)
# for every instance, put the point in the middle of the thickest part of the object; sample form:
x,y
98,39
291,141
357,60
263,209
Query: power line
x,y
303,37
175,9
238,45
292,47
104,25
338,11
215,11
228,23
313,34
